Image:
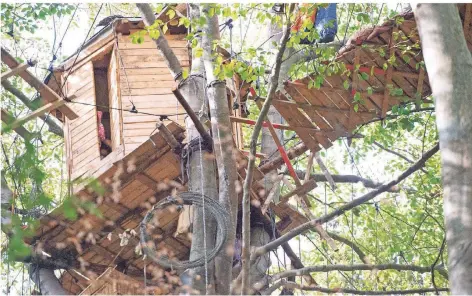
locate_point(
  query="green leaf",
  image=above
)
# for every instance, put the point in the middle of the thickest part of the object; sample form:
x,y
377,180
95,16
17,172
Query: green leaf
x,y
154,34
159,8
364,76
346,84
370,91
170,13
198,52
356,107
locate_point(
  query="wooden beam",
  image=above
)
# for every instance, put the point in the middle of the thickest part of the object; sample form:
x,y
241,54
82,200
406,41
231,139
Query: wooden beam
x,y
46,93
9,119
283,153
310,107
388,75
280,126
36,113
325,171
301,190
16,70
198,125
167,135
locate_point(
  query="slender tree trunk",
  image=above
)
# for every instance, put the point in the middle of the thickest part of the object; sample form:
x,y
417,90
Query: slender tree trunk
x,y
201,168
449,66
202,173
223,149
274,79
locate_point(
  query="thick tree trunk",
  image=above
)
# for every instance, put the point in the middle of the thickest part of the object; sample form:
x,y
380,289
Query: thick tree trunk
x,y
201,168
46,281
449,66
202,173
223,149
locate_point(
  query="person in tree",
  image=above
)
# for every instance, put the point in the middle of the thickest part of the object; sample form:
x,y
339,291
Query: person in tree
x,y
105,143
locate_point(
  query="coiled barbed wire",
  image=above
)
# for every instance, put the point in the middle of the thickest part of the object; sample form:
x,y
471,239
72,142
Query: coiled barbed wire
x,y
215,209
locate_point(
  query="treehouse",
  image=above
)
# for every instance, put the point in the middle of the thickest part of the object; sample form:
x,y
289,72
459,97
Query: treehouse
x,y
122,159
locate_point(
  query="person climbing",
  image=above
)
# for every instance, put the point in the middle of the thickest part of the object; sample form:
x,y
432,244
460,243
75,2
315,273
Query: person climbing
x,y
323,18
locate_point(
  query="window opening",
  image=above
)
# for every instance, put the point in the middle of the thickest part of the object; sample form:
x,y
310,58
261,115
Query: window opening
x,y
102,100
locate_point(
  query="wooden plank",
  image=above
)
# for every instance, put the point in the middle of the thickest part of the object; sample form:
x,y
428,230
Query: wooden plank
x,y
355,80
300,190
140,51
46,93
20,130
36,113
388,75
16,70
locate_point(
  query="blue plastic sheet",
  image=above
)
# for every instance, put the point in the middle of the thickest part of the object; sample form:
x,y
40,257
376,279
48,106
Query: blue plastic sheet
x,y
326,23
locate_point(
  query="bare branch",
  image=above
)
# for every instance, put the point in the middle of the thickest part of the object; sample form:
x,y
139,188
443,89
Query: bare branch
x,y
342,267
349,206
162,45
293,285
346,179
253,146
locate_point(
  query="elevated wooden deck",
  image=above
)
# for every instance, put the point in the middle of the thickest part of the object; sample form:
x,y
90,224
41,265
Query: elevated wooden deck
x,y
128,189
321,115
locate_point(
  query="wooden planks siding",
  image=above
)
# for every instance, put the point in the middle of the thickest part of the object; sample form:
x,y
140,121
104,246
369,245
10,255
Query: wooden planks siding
x,y
146,83
82,143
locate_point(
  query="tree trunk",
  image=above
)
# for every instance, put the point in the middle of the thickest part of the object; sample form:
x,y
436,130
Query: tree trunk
x,y
449,66
46,281
202,173
223,149
201,168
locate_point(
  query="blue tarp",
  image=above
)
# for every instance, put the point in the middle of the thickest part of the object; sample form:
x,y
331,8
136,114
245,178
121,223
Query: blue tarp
x,y
326,16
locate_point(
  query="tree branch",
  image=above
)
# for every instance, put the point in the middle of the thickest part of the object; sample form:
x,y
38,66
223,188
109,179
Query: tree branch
x,y
253,146
292,285
358,201
345,179
162,45
342,267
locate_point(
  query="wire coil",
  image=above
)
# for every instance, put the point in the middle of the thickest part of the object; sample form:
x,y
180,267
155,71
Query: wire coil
x,y
215,209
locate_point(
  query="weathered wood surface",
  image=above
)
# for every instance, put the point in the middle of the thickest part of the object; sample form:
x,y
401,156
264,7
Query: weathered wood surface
x,y
145,83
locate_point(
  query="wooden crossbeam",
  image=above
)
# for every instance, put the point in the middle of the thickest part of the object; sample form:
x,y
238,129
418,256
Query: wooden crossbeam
x,y
301,190
36,113
284,155
308,106
20,130
17,70
46,93
281,126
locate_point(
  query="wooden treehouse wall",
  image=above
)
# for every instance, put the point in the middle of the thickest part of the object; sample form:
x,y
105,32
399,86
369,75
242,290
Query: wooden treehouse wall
x,y
136,75
145,81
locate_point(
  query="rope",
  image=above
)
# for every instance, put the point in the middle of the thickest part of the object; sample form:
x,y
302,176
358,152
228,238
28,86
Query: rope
x,y
186,198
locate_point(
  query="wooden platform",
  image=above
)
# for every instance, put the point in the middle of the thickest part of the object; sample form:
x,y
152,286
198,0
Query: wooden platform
x,y
128,189
321,115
